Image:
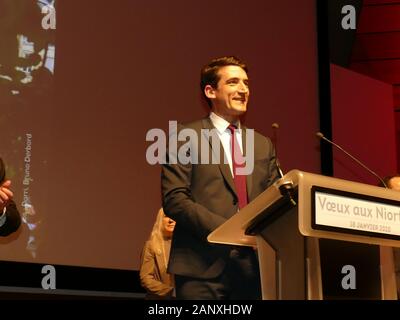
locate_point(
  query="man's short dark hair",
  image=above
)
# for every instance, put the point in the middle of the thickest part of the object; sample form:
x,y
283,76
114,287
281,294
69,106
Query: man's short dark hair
x,y
209,73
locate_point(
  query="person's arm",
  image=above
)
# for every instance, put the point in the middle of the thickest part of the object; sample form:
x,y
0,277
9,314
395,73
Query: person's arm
x,y
148,278
178,202
3,216
179,205
10,218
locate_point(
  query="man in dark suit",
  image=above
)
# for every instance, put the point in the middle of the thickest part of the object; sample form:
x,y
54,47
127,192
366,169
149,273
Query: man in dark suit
x,y
10,218
201,195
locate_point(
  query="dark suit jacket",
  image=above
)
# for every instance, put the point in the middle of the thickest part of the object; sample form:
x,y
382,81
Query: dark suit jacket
x,y
200,197
13,220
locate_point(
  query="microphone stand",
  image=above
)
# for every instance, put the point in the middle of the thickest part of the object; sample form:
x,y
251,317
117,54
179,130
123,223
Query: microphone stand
x,y
285,186
321,136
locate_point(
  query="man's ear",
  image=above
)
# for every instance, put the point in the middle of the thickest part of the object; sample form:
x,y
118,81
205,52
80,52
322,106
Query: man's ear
x,y
209,91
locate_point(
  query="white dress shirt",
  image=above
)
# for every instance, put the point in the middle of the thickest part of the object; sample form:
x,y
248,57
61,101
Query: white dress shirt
x,y
224,135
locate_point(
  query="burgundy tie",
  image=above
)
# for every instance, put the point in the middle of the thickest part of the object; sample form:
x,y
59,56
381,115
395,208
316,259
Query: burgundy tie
x,y
238,162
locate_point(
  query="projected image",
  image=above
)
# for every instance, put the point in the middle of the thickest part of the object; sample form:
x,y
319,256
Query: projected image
x,y
27,49
27,61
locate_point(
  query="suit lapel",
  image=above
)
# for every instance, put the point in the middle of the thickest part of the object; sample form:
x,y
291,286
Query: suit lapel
x,y
224,167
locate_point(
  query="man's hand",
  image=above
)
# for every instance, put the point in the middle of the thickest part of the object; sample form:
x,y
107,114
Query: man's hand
x,y
5,194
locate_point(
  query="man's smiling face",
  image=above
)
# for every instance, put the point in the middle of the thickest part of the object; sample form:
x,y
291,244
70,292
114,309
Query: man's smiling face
x,y
231,96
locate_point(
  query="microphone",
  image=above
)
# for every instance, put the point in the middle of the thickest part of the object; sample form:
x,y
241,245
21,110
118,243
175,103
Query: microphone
x,y
321,136
285,186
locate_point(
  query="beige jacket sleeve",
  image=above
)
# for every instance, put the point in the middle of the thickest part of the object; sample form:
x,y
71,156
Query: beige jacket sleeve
x,y
153,273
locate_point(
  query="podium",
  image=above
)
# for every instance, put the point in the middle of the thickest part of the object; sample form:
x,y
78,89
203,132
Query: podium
x,y
320,237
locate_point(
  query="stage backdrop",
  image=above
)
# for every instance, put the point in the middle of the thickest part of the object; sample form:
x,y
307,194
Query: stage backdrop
x,y
363,124
74,136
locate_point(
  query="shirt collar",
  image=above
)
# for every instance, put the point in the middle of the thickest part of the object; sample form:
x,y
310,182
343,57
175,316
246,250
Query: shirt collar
x,y
220,123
